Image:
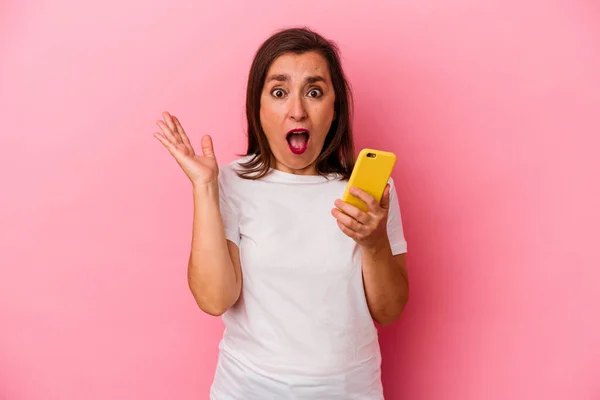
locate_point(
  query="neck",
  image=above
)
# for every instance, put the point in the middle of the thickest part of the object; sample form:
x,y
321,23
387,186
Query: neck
x,y
308,170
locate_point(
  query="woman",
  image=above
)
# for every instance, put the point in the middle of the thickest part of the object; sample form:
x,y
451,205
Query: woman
x,y
297,275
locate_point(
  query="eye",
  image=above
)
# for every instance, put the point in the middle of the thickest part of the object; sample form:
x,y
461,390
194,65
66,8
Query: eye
x,y
279,93
315,93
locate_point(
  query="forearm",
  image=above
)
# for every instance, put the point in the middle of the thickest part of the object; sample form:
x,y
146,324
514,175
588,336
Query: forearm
x,y
385,281
211,274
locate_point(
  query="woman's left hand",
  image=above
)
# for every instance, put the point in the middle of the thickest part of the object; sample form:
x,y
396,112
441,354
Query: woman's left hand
x,y
368,229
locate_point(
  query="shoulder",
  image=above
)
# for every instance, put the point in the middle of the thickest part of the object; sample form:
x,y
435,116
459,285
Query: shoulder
x,y
230,183
235,164
392,184
230,170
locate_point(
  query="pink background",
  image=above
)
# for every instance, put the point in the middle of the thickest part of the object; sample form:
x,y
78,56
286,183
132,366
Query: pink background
x,y
493,108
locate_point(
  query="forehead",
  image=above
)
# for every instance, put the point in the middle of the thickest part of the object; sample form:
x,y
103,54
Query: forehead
x,y
297,66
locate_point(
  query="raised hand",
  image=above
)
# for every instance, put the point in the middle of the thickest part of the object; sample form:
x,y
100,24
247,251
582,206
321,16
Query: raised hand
x,y
200,169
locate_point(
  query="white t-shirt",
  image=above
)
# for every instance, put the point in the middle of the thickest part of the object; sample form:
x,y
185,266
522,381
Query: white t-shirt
x,y
301,328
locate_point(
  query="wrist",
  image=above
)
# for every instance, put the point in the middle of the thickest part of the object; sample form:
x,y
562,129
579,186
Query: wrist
x,y
376,247
210,189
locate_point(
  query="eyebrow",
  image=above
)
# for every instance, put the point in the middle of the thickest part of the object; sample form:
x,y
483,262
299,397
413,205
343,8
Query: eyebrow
x,y
285,78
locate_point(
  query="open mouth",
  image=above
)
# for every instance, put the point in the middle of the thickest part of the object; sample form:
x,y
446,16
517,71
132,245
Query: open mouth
x,y
298,140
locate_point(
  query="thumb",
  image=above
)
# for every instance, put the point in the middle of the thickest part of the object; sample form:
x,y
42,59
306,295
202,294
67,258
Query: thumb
x,y
385,199
207,147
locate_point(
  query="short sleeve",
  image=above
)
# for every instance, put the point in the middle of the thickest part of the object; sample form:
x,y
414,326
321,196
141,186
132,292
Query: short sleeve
x,y
394,224
228,214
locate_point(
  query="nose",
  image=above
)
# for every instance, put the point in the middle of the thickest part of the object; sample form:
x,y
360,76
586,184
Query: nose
x,y
297,110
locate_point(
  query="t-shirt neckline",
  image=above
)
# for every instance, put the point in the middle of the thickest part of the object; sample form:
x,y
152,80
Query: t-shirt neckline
x,y
281,176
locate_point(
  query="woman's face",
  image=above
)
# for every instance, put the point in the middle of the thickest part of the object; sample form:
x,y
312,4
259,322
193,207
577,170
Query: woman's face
x,y
297,109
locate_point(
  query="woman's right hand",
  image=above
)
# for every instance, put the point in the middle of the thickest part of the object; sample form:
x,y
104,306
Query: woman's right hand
x,y
200,169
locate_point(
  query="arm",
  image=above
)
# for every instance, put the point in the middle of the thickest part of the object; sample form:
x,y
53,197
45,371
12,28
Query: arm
x,y
384,274
386,282
214,272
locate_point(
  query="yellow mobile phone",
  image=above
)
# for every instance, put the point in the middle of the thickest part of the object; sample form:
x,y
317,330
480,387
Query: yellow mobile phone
x,y
371,173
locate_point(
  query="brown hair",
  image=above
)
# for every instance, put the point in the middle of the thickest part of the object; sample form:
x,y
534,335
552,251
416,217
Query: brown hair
x,y
337,155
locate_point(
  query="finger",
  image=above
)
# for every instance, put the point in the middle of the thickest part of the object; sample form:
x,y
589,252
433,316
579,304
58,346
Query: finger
x,y
168,144
184,137
168,133
207,147
171,124
353,211
347,231
385,199
347,220
366,198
